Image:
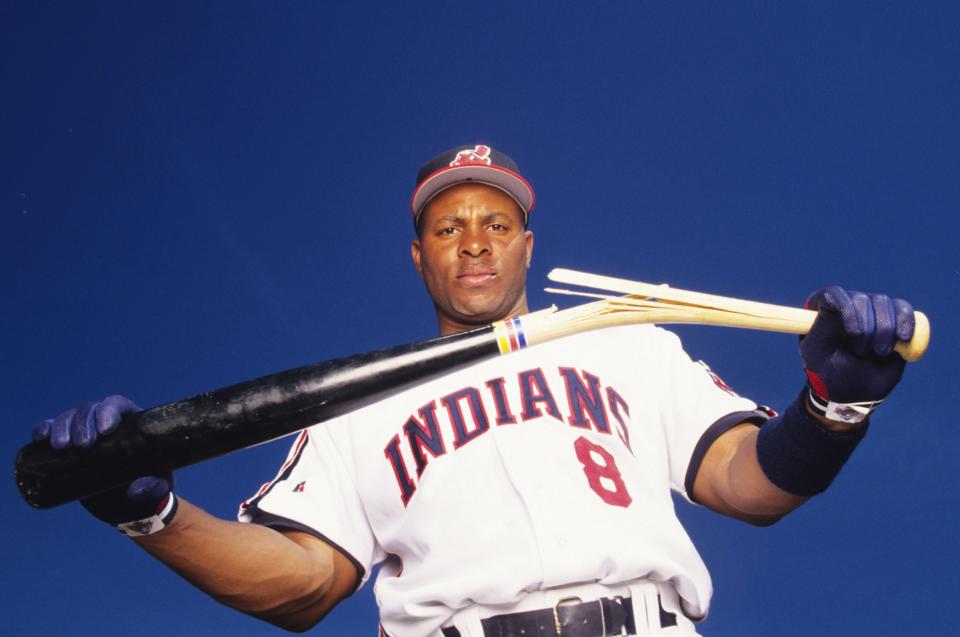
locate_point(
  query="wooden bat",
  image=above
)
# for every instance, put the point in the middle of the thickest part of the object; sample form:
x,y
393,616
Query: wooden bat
x,y
185,432
664,304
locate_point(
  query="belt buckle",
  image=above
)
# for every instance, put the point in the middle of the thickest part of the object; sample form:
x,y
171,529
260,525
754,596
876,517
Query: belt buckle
x,y
568,600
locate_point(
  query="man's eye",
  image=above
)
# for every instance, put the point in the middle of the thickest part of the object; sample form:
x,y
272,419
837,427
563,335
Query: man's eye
x,y
446,231
499,227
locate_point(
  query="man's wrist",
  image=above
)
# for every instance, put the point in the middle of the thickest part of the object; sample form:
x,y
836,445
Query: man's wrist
x,y
800,454
840,416
832,423
152,524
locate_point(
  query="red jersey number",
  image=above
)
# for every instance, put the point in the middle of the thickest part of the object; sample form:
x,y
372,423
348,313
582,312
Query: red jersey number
x,y
604,479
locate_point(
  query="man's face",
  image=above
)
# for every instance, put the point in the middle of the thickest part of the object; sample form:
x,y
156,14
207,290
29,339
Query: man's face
x,y
473,255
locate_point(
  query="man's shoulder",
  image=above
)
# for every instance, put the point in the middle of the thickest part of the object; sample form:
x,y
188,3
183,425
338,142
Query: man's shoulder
x,y
645,334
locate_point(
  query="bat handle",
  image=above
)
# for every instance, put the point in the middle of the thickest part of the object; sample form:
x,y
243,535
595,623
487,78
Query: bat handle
x,y
913,349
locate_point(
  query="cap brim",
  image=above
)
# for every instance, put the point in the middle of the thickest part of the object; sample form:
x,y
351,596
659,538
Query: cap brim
x,y
496,176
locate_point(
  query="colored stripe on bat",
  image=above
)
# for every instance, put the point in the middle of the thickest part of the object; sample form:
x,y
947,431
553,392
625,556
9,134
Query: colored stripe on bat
x,y
503,342
510,336
518,324
512,333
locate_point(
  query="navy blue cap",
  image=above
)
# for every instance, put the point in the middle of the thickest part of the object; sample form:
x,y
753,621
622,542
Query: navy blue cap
x,y
478,163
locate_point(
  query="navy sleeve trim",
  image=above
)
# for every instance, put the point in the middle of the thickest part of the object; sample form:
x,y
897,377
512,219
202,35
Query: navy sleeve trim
x,y
714,431
280,523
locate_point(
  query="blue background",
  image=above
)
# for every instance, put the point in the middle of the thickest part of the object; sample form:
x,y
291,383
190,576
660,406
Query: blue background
x,y
195,194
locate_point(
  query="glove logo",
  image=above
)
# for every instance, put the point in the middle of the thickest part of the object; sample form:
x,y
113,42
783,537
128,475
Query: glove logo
x,y
300,486
141,527
845,413
479,155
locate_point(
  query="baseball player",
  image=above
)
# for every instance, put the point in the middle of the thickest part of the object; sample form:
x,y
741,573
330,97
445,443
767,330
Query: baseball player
x,y
527,494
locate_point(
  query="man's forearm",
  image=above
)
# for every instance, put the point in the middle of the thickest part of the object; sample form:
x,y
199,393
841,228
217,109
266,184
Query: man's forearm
x,y
748,491
249,567
731,481
735,483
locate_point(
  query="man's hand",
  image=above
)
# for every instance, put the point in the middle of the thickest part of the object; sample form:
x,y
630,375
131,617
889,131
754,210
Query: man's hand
x,y
760,475
141,507
848,354
80,427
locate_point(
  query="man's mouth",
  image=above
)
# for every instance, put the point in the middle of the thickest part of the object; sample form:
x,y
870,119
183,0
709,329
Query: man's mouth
x,y
476,276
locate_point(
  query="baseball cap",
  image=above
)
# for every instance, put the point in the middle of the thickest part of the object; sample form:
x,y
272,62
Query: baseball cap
x,y
478,163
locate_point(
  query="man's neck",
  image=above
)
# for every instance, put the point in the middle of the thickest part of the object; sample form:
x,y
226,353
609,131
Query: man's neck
x,y
448,325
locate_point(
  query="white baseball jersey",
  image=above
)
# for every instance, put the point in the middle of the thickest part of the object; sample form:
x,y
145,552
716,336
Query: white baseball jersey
x,y
546,467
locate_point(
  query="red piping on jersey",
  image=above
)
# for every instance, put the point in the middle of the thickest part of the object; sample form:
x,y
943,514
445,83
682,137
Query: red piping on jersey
x,y
294,453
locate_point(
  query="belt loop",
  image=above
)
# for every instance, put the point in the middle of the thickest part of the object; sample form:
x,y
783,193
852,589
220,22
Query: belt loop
x,y
640,598
467,623
667,619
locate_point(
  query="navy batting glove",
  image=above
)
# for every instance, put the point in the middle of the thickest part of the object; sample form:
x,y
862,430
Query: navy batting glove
x,y
141,507
848,354
80,427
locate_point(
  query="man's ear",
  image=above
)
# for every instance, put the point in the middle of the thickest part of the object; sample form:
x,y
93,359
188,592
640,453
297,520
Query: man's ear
x,y
415,252
529,240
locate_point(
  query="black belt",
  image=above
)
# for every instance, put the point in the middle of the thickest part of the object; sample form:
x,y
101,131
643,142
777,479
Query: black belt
x,y
599,618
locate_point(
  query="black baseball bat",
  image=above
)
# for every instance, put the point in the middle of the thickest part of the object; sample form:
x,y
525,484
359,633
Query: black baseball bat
x,y
185,432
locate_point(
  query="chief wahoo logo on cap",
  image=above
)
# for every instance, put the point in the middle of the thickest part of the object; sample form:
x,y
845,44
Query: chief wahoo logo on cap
x,y
480,154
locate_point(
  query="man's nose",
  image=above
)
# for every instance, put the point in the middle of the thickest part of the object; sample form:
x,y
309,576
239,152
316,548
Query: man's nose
x,y
474,243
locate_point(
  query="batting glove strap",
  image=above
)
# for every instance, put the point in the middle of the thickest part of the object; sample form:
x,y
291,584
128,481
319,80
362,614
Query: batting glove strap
x,y
841,412
153,524
801,456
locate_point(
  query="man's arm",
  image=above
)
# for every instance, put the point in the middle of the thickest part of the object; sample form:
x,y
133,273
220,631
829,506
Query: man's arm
x,y
760,475
730,481
291,579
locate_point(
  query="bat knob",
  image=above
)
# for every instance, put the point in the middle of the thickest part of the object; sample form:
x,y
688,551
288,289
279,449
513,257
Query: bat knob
x,y
916,347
